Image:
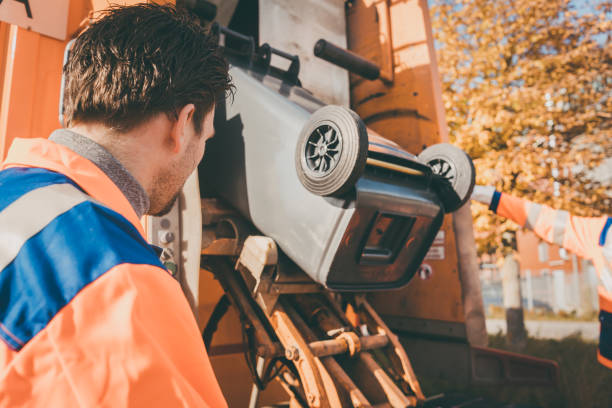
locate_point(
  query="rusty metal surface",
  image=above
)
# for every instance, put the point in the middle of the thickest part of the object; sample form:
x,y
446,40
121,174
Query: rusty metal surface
x,y
307,345
214,209
231,282
396,397
375,42
397,356
410,113
408,326
491,366
324,348
222,247
315,389
339,374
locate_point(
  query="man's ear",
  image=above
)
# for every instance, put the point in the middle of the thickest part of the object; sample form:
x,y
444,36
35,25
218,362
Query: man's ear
x,y
182,128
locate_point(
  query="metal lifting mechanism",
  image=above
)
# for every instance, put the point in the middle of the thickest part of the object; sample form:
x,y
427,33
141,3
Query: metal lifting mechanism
x,y
318,202
300,199
297,210
300,331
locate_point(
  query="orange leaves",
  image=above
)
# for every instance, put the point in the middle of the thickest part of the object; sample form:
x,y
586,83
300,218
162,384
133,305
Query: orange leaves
x,y
528,93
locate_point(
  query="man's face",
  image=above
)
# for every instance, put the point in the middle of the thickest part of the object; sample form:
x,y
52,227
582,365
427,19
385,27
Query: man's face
x,y
172,177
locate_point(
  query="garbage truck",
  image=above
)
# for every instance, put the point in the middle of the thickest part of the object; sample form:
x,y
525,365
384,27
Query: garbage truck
x,y
312,243
312,209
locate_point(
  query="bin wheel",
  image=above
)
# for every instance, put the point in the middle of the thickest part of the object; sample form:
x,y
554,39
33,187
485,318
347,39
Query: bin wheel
x,y
331,151
454,171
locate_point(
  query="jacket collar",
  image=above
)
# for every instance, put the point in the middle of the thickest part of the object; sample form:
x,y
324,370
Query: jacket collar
x,y
98,155
45,154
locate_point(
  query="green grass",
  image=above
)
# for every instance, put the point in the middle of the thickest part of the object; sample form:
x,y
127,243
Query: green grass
x,y
583,382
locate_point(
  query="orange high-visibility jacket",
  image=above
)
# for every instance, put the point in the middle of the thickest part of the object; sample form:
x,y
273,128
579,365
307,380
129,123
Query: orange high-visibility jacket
x,y
88,315
587,237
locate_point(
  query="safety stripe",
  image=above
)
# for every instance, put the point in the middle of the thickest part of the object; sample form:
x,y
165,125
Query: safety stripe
x,y
605,334
10,337
604,232
26,216
605,241
532,215
560,223
495,201
17,181
54,265
605,276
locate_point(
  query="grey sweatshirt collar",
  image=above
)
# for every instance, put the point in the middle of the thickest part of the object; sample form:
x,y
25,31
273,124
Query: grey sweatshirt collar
x,y
98,155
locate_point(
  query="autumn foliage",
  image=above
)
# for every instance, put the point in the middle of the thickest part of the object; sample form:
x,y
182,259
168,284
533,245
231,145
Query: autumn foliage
x,y
527,88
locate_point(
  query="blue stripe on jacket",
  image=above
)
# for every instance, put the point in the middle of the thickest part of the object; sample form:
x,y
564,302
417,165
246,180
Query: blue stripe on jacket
x,y
495,201
17,181
604,231
72,251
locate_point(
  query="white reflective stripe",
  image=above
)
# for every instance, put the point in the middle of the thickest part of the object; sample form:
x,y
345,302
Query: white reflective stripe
x,y
607,246
30,213
483,194
561,219
606,278
532,215
606,274
607,252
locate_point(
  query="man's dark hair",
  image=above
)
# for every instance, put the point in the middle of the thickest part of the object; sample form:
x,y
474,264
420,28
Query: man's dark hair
x,y
139,61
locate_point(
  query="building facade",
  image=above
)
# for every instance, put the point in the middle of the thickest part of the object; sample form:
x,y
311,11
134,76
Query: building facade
x,y
552,279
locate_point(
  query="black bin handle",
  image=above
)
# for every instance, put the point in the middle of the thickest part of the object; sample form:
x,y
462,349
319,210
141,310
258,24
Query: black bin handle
x,y
346,59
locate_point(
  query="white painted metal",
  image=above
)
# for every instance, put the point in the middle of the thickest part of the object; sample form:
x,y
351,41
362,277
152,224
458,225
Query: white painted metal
x,y
42,16
183,224
190,206
295,27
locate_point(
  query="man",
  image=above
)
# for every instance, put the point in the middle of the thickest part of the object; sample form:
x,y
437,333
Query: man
x,y
88,314
587,237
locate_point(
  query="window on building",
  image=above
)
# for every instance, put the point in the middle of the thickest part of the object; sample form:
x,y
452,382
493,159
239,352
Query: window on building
x,y
563,254
543,252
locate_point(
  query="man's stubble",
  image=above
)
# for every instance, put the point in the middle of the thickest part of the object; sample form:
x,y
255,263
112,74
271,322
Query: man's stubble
x,y
172,180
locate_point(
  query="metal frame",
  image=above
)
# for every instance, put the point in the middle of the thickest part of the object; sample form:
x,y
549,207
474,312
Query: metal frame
x,y
327,361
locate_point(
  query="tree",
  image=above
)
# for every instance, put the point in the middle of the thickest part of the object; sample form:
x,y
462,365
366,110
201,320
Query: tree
x,y
527,88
